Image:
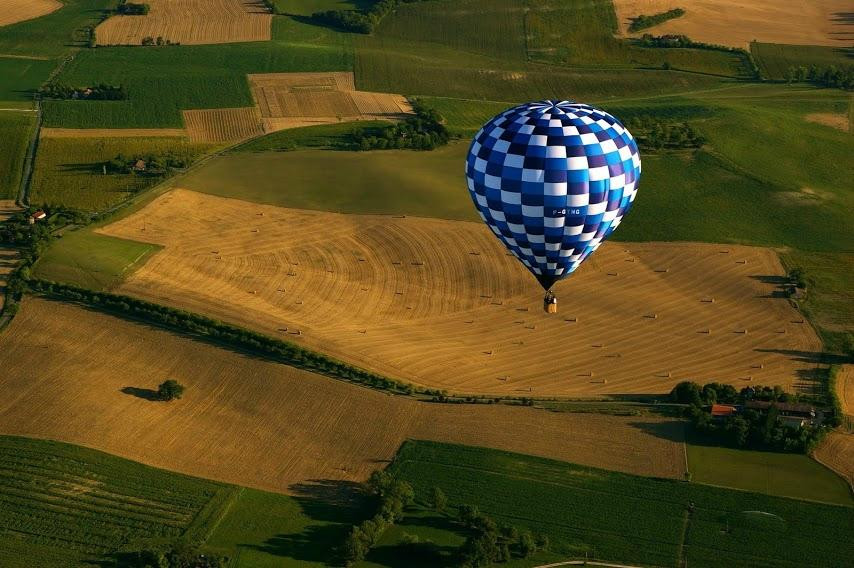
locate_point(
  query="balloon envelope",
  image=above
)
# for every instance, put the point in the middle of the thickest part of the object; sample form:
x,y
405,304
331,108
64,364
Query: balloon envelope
x,y
553,180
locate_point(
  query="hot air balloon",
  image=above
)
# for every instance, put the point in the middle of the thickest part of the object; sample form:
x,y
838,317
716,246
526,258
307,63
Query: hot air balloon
x,y
553,179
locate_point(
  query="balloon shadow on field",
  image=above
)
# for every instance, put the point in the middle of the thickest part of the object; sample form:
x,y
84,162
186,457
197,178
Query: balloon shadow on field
x,y
145,394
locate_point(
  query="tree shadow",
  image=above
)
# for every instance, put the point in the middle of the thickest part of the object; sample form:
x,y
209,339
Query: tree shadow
x,y
814,357
145,394
401,556
316,543
670,430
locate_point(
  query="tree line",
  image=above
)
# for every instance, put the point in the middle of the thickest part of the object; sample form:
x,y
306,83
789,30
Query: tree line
x,y
486,542
829,76
358,21
154,164
424,131
643,21
670,41
759,429
652,134
100,92
126,8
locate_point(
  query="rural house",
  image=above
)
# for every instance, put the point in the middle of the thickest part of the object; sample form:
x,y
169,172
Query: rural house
x,y
39,215
721,411
139,166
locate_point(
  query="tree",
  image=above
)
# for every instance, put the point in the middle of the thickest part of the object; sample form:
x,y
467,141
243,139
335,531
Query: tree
x,y
527,544
440,502
170,389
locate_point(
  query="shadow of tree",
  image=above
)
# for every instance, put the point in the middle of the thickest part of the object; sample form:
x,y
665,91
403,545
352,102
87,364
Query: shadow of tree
x,y
671,430
145,394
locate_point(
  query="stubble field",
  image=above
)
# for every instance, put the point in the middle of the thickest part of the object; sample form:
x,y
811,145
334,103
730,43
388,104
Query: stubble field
x,y
12,11
440,304
190,22
266,425
223,124
736,24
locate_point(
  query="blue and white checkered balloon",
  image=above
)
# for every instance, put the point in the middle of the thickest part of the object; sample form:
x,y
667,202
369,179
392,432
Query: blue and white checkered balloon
x,y
553,180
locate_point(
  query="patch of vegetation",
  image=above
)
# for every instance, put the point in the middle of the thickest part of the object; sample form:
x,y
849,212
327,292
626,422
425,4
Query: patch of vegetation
x,y
760,426
643,21
170,389
148,40
15,130
830,76
392,496
126,8
21,78
148,164
338,136
74,172
775,59
678,41
219,332
99,92
618,517
358,21
424,131
652,134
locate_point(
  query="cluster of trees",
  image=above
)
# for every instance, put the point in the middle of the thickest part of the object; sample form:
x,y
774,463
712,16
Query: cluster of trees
x,y
178,555
358,21
749,428
155,164
170,389
830,76
393,497
148,40
656,135
643,21
126,8
488,543
272,6
199,325
424,131
100,92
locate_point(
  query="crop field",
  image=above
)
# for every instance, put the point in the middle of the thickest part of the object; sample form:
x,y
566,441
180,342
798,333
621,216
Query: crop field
x,y
111,133
775,59
15,130
266,425
61,505
837,453
379,290
68,171
289,100
736,24
190,23
21,76
13,11
223,124
616,517
53,34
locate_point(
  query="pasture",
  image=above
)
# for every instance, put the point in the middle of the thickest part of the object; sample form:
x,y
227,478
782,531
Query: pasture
x,y
55,34
191,22
229,425
736,24
774,59
20,77
13,11
614,517
772,473
376,290
68,171
15,130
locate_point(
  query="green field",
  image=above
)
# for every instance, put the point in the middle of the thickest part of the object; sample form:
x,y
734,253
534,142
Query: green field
x,y
428,184
789,475
94,261
54,34
20,78
618,517
68,171
69,506
163,81
774,59
15,130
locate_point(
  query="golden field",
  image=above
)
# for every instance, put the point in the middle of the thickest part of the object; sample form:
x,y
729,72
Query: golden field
x,y
252,422
442,305
12,11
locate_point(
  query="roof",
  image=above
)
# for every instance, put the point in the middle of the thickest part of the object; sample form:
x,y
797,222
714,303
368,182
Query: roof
x,y
781,406
139,164
39,214
723,410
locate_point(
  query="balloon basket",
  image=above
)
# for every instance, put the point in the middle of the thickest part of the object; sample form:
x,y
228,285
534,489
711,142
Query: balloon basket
x,y
550,303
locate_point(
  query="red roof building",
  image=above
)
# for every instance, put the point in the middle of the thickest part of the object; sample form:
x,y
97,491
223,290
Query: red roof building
x,y
723,410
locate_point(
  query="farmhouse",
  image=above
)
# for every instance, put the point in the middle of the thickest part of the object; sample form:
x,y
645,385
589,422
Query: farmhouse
x,y
39,215
139,166
721,411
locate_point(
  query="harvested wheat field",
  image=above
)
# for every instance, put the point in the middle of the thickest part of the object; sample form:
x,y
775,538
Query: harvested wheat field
x,y
845,389
287,100
736,24
12,11
223,124
262,424
837,453
190,22
441,304
833,120
111,132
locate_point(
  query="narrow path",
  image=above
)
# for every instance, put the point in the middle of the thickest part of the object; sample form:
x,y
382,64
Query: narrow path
x,y
585,563
686,523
